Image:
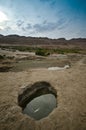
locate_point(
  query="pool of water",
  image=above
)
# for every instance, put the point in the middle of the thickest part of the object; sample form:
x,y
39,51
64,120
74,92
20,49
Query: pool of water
x,y
41,106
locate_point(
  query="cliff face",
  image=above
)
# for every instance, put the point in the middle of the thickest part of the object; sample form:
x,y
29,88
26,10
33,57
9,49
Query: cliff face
x,y
33,41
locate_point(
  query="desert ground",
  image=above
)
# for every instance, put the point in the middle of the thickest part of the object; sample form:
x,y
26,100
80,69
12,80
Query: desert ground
x,y
27,68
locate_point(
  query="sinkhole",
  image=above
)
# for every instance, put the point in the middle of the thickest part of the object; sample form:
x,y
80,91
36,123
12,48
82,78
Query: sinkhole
x,y
38,100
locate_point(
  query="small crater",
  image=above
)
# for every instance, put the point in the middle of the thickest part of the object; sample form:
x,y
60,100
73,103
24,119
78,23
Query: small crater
x,y
38,100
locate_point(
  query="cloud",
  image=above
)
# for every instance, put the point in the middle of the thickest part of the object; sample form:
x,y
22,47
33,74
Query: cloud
x,y
46,27
3,17
19,23
23,29
47,0
8,28
26,27
29,26
61,22
50,2
53,3
1,28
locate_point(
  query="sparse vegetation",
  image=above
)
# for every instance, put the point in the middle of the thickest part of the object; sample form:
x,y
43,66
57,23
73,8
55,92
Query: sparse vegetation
x,y
42,52
2,57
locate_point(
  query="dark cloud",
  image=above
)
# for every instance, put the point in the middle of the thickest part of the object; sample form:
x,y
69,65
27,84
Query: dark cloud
x,y
19,23
23,29
26,27
45,26
45,22
50,2
29,26
23,26
61,22
47,0
42,27
8,28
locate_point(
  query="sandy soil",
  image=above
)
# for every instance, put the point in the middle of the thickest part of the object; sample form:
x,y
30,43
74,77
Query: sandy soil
x,y
70,84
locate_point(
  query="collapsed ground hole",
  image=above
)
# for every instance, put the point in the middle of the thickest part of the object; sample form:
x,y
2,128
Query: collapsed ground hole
x,y
38,100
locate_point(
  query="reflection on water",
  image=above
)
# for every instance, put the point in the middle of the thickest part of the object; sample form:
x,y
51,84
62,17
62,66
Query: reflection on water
x,y
40,106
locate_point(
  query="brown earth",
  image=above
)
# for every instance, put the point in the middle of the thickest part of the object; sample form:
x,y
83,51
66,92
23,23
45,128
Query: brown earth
x,y
16,40
70,84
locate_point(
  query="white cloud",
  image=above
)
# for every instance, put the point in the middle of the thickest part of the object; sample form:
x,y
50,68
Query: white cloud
x,y
3,17
1,28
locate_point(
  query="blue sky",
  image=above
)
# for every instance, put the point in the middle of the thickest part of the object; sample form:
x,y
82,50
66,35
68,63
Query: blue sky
x,y
43,18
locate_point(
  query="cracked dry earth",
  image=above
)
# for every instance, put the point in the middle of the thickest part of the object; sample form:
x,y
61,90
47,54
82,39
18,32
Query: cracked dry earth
x,y
70,85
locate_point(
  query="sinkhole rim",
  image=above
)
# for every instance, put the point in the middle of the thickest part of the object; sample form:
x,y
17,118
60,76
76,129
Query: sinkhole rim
x,y
31,91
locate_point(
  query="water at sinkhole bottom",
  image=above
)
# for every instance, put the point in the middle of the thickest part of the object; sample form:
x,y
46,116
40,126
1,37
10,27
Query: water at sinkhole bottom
x,y
41,106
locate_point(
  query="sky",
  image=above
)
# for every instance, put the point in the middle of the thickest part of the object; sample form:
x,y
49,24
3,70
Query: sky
x,y
43,18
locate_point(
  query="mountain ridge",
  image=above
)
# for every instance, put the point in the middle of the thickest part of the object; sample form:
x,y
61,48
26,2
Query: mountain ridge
x,y
42,41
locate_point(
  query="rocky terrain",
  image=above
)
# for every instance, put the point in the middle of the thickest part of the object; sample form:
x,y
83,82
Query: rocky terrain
x,y
78,43
70,85
21,70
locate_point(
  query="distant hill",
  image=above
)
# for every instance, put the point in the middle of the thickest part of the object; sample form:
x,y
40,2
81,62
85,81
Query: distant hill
x,y
16,40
